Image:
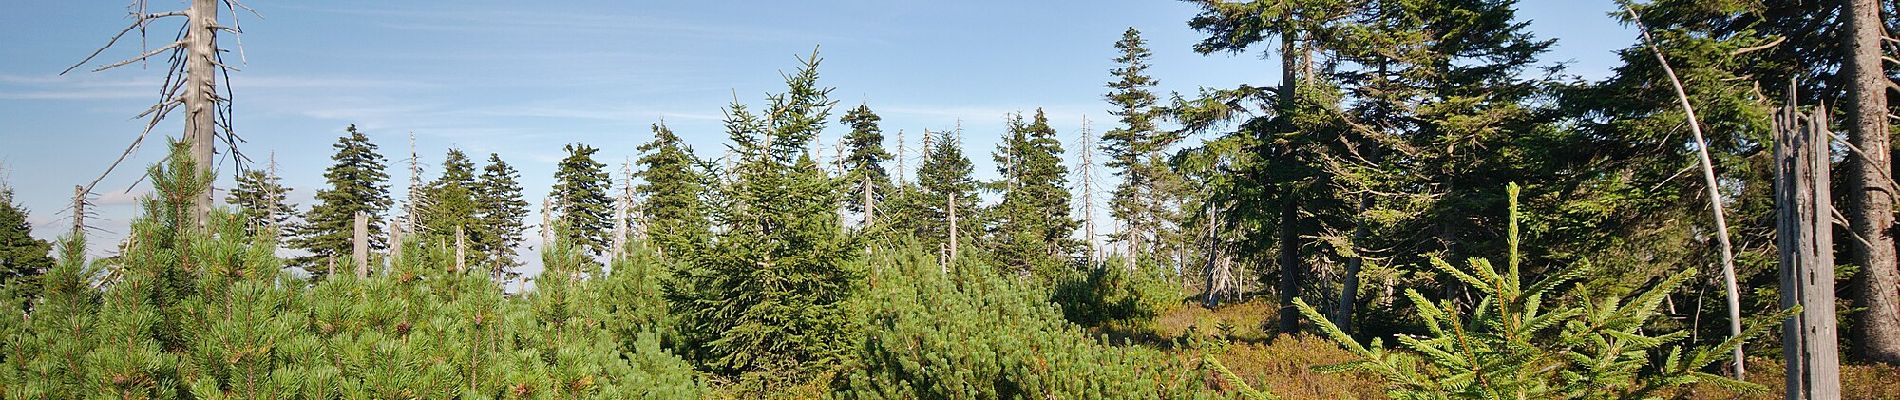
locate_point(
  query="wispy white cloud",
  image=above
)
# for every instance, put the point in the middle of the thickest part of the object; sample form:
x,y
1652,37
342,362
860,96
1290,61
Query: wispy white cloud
x,y
122,197
75,94
58,87
491,20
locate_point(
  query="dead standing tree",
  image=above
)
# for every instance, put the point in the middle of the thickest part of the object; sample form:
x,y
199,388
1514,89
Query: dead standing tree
x,y
191,80
1805,235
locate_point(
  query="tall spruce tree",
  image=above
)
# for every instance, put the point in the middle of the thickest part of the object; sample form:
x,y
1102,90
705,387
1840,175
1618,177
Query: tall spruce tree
x,y
944,174
500,213
260,200
23,258
358,183
450,199
865,164
1033,231
672,183
1281,137
1132,145
580,196
771,294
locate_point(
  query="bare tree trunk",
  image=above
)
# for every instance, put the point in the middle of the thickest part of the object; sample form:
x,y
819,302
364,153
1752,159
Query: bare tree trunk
x,y
1715,198
1805,233
1289,264
395,243
1088,191
1291,60
1869,197
461,250
547,222
953,225
1219,275
1349,292
79,211
359,244
200,95
869,202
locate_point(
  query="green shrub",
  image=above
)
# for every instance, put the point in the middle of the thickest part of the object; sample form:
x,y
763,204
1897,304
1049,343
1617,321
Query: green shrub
x,y
1111,295
1549,339
972,333
191,312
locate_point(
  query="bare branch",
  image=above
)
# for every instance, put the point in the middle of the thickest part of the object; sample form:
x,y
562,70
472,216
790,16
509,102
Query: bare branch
x,y
238,5
1773,43
1863,157
134,148
136,24
162,105
148,54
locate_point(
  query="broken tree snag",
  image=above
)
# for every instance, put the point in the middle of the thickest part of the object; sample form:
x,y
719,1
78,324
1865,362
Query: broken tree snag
x,y
79,211
1804,225
953,225
190,82
359,244
395,243
461,250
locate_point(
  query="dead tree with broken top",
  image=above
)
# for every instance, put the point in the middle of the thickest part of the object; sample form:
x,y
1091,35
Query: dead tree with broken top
x,y
1804,216
193,65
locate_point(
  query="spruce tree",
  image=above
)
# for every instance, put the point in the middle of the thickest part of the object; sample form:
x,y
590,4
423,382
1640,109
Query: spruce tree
x,y
1131,146
1033,231
580,196
358,183
865,164
944,174
672,184
260,201
771,294
450,199
23,258
500,213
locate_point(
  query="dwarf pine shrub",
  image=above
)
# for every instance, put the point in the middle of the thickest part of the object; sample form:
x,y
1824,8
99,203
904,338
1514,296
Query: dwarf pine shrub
x,y
972,333
208,312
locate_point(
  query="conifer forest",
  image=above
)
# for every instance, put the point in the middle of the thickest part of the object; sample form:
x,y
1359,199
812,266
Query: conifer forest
x,y
1412,207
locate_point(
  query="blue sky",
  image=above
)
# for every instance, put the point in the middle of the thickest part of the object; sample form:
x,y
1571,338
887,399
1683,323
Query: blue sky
x,y
523,78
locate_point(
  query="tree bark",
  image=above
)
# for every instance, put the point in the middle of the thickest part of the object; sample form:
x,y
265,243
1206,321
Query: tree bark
x,y
1869,197
953,225
1804,234
1349,292
359,244
1289,263
200,95
1292,58
461,250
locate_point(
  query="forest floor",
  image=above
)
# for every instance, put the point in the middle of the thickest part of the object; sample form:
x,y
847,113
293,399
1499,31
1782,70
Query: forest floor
x,y
1283,364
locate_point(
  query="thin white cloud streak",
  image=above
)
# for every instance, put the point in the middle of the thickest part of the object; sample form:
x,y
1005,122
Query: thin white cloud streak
x,y
473,20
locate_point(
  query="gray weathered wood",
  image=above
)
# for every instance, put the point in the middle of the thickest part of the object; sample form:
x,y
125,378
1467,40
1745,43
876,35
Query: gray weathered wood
x,y
395,243
461,250
1715,196
200,95
359,244
953,225
1804,227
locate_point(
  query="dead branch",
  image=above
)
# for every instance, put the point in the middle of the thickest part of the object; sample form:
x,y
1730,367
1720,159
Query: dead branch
x,y
140,22
142,56
1773,43
1715,194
